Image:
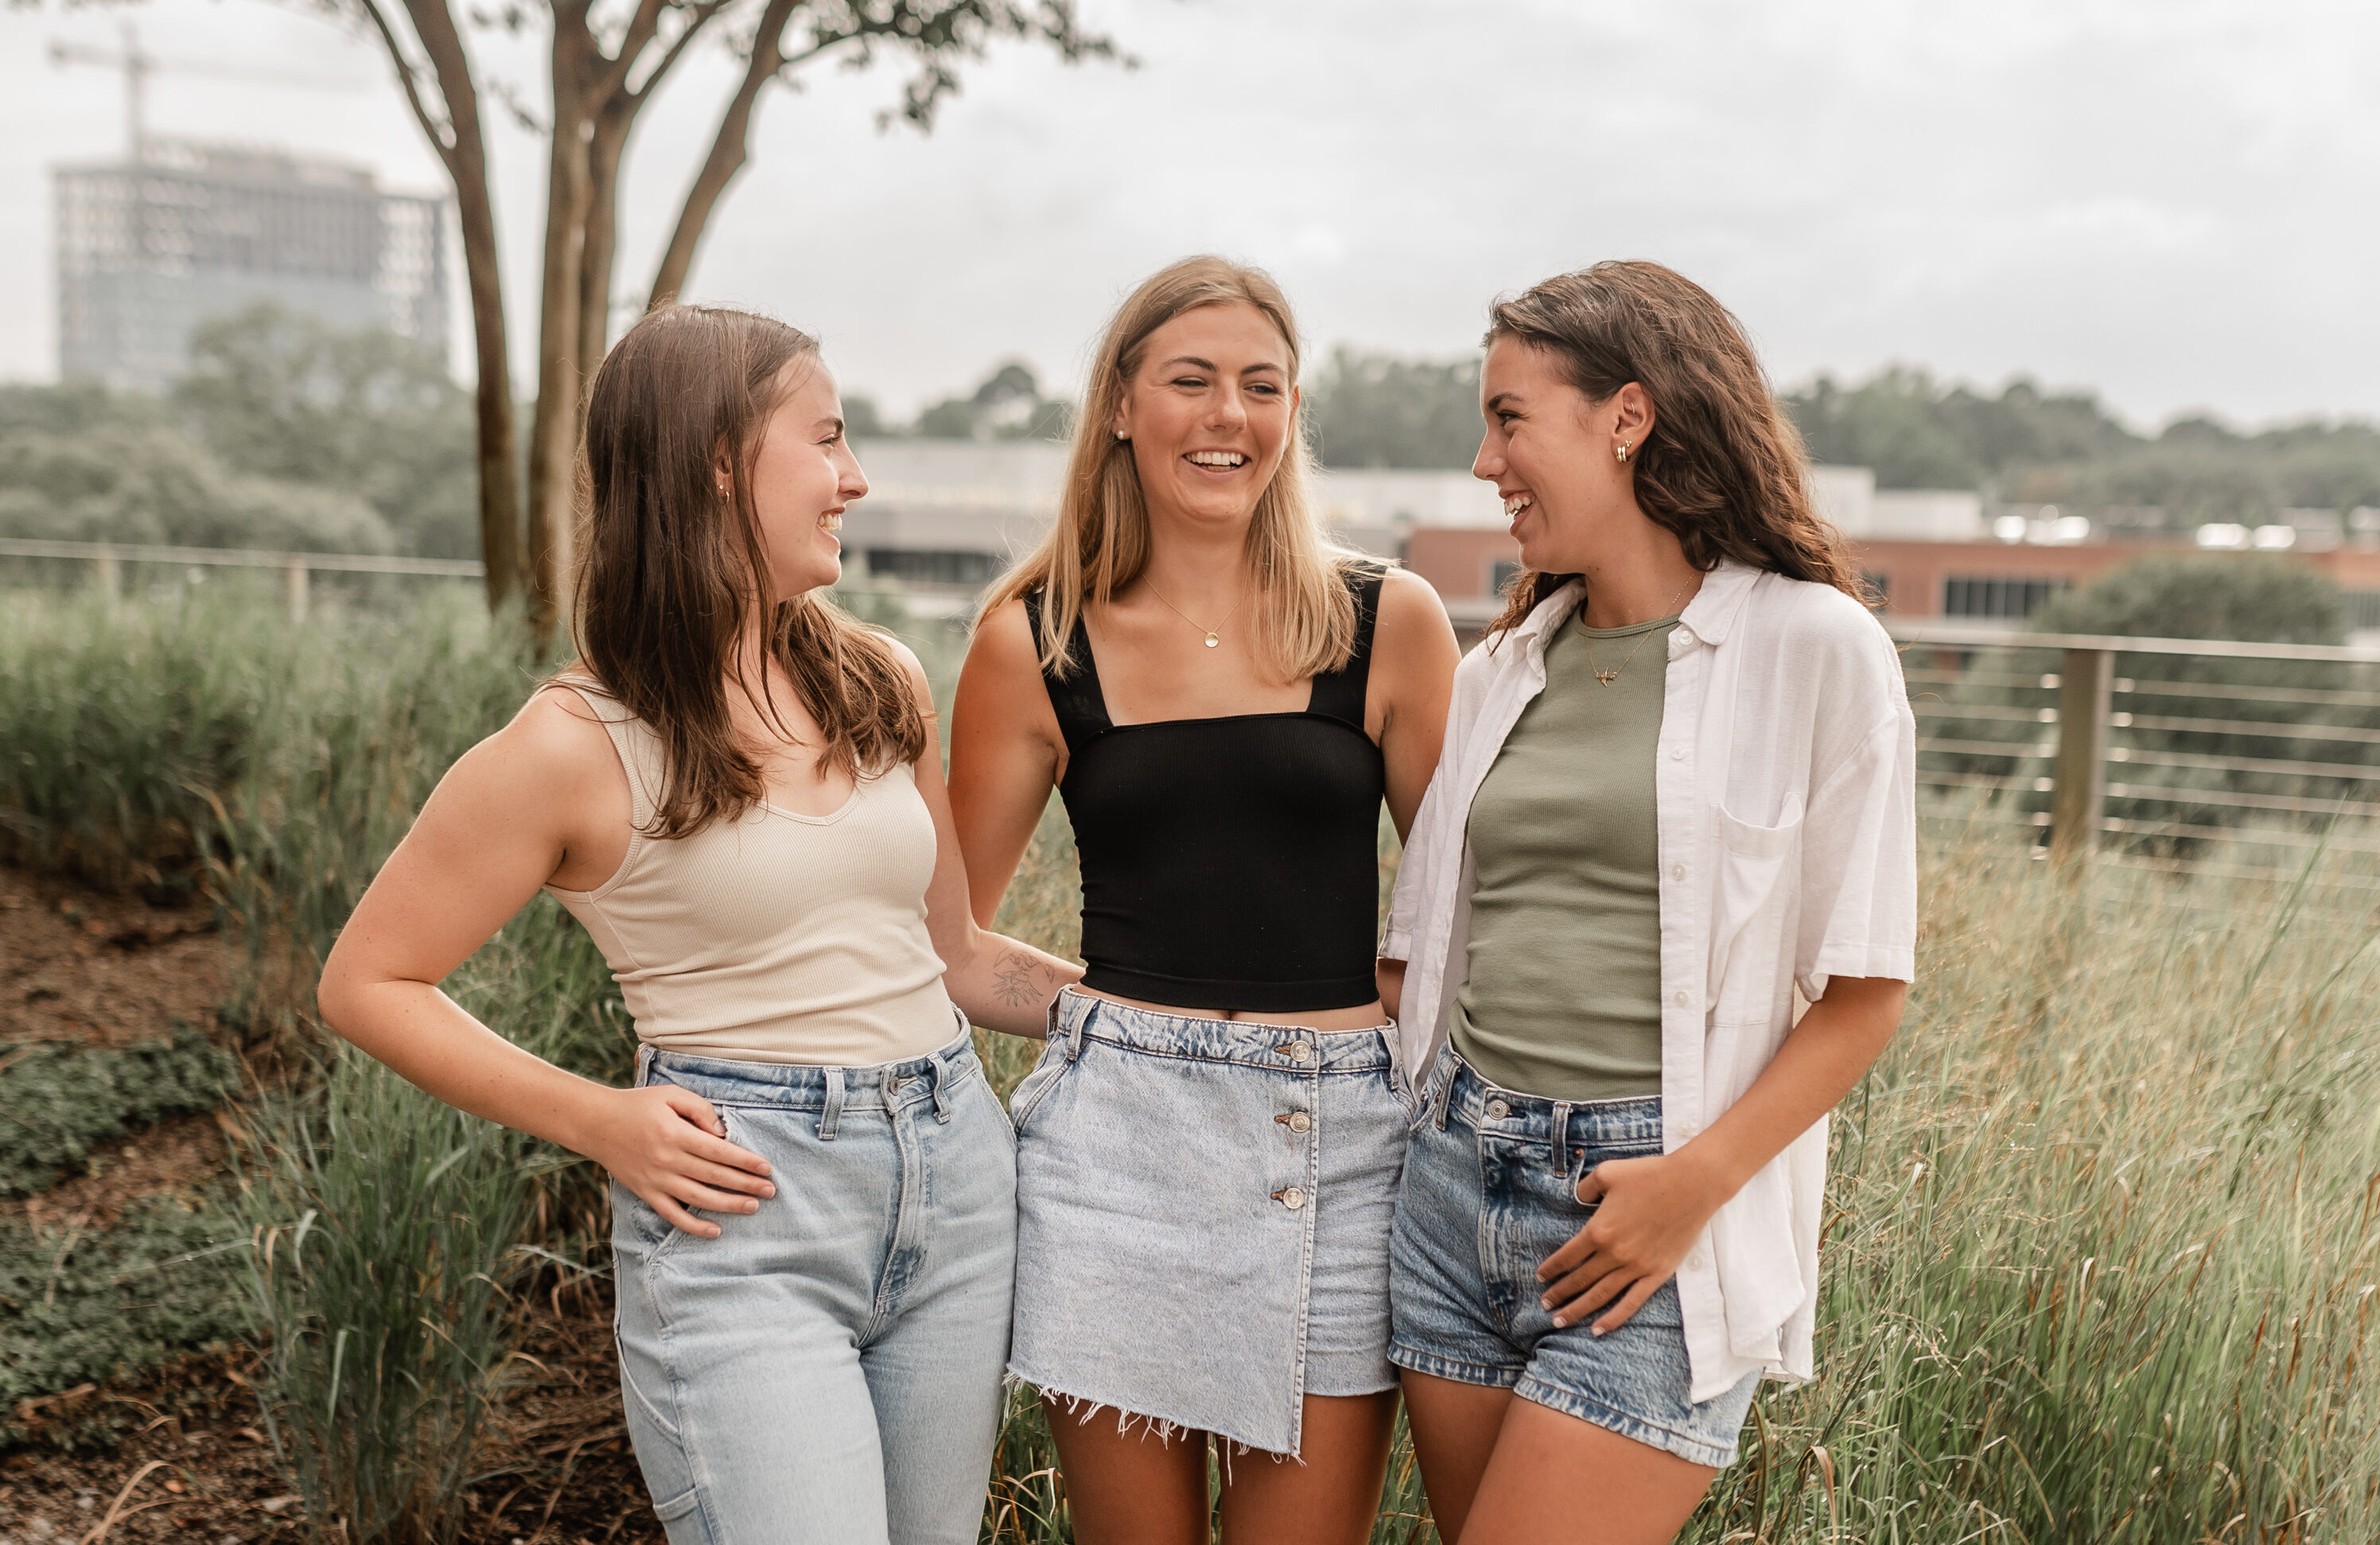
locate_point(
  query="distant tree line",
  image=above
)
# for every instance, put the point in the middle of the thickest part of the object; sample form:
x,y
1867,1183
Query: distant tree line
x,y
289,433
2028,445
1362,410
1008,404
2025,445
286,434
1366,409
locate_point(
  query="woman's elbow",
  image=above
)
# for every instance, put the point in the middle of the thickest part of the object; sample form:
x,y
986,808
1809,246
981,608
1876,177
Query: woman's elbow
x,y
341,993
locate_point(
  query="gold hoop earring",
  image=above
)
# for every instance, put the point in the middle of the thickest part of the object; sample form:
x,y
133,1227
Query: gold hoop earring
x,y
1622,453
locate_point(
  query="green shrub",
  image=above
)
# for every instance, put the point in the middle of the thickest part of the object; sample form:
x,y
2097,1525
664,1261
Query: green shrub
x,y
82,1305
58,1101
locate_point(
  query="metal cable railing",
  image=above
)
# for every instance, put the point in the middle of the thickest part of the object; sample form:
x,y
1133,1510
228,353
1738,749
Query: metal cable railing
x,y
2208,758
108,561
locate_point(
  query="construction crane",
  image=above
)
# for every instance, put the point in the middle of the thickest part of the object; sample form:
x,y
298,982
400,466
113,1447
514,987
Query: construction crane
x,y
138,66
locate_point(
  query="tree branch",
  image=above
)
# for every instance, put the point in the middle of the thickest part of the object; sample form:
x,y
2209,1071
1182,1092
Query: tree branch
x,y
730,148
933,31
703,15
641,29
437,131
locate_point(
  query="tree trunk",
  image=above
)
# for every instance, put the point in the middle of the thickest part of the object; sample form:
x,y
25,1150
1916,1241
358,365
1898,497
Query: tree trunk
x,y
600,254
554,426
466,166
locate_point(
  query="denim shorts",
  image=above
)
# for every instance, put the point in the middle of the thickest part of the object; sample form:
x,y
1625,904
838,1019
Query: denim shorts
x,y
1203,1211
1490,1190
829,1368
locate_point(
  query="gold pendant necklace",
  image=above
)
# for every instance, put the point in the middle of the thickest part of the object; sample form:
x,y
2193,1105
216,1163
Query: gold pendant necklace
x,y
1607,677
1213,634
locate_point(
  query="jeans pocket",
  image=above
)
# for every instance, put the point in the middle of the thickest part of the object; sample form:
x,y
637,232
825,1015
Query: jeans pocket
x,y
637,1219
677,1507
1029,1093
649,1409
1585,1157
653,1232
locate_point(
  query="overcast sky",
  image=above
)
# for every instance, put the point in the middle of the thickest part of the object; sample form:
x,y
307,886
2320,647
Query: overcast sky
x,y
2174,202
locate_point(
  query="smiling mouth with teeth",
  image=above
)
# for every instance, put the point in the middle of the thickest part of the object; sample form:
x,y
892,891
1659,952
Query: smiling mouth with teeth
x,y
830,521
1518,503
1217,458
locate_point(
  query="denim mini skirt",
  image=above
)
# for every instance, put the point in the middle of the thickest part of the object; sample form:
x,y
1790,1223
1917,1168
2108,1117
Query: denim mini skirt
x,y
1490,1189
1203,1211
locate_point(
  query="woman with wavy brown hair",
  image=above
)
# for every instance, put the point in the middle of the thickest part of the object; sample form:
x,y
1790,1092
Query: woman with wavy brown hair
x,y
736,789
1677,785
1207,1152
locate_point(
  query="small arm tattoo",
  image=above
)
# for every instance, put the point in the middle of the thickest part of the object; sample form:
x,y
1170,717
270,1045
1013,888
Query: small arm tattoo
x,y
1017,980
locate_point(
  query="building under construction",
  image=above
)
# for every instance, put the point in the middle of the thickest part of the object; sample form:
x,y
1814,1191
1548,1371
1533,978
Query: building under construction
x,y
180,234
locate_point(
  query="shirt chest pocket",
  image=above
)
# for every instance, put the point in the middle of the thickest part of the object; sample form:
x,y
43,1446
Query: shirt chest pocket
x,y
1753,888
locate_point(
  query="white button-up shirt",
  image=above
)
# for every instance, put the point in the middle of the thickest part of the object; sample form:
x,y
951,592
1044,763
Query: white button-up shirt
x,y
1785,795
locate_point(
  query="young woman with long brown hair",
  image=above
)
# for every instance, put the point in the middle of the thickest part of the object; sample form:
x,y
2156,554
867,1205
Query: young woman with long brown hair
x,y
737,790
1207,1152
1677,785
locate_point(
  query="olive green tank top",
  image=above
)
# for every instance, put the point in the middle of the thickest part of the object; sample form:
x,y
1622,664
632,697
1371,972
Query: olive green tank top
x,y
1563,998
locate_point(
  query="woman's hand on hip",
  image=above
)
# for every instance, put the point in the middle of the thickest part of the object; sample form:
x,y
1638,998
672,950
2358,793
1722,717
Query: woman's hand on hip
x,y
670,1147
1651,1210
1647,1213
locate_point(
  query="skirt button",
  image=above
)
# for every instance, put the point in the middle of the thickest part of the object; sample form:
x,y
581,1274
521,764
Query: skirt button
x,y
1300,1121
1498,1110
1292,1198
1300,1051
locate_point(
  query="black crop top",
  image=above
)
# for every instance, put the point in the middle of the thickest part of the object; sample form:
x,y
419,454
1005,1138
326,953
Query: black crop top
x,y
1228,862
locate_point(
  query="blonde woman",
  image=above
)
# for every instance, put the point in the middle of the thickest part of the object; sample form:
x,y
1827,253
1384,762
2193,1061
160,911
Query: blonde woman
x,y
1208,1148
1678,783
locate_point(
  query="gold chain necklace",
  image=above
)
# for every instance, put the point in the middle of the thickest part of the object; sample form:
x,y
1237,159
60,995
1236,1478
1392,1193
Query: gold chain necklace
x,y
1212,641
1607,677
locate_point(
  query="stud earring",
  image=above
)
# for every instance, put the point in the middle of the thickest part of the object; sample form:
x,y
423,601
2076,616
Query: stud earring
x,y
1122,435
1622,453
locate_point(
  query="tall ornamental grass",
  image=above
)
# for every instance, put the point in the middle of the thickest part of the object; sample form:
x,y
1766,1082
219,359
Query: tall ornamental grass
x,y
2101,1241
391,1232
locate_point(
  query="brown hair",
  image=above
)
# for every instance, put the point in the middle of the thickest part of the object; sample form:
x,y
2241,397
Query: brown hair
x,y
1302,616
672,574
1723,468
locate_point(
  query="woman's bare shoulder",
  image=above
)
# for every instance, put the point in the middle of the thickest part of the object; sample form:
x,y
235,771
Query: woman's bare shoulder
x,y
1409,601
1413,626
1005,635
554,742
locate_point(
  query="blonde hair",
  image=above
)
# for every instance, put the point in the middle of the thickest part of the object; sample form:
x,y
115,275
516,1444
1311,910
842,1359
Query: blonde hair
x,y
1302,617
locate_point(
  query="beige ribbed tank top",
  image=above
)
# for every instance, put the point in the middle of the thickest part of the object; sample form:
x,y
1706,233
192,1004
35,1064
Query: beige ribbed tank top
x,y
779,938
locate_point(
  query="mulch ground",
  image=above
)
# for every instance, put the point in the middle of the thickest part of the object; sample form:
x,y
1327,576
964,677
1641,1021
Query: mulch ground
x,y
184,1454
102,970
194,1463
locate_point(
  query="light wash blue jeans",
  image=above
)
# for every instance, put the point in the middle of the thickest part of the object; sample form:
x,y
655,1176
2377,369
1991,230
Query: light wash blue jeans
x,y
829,1368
